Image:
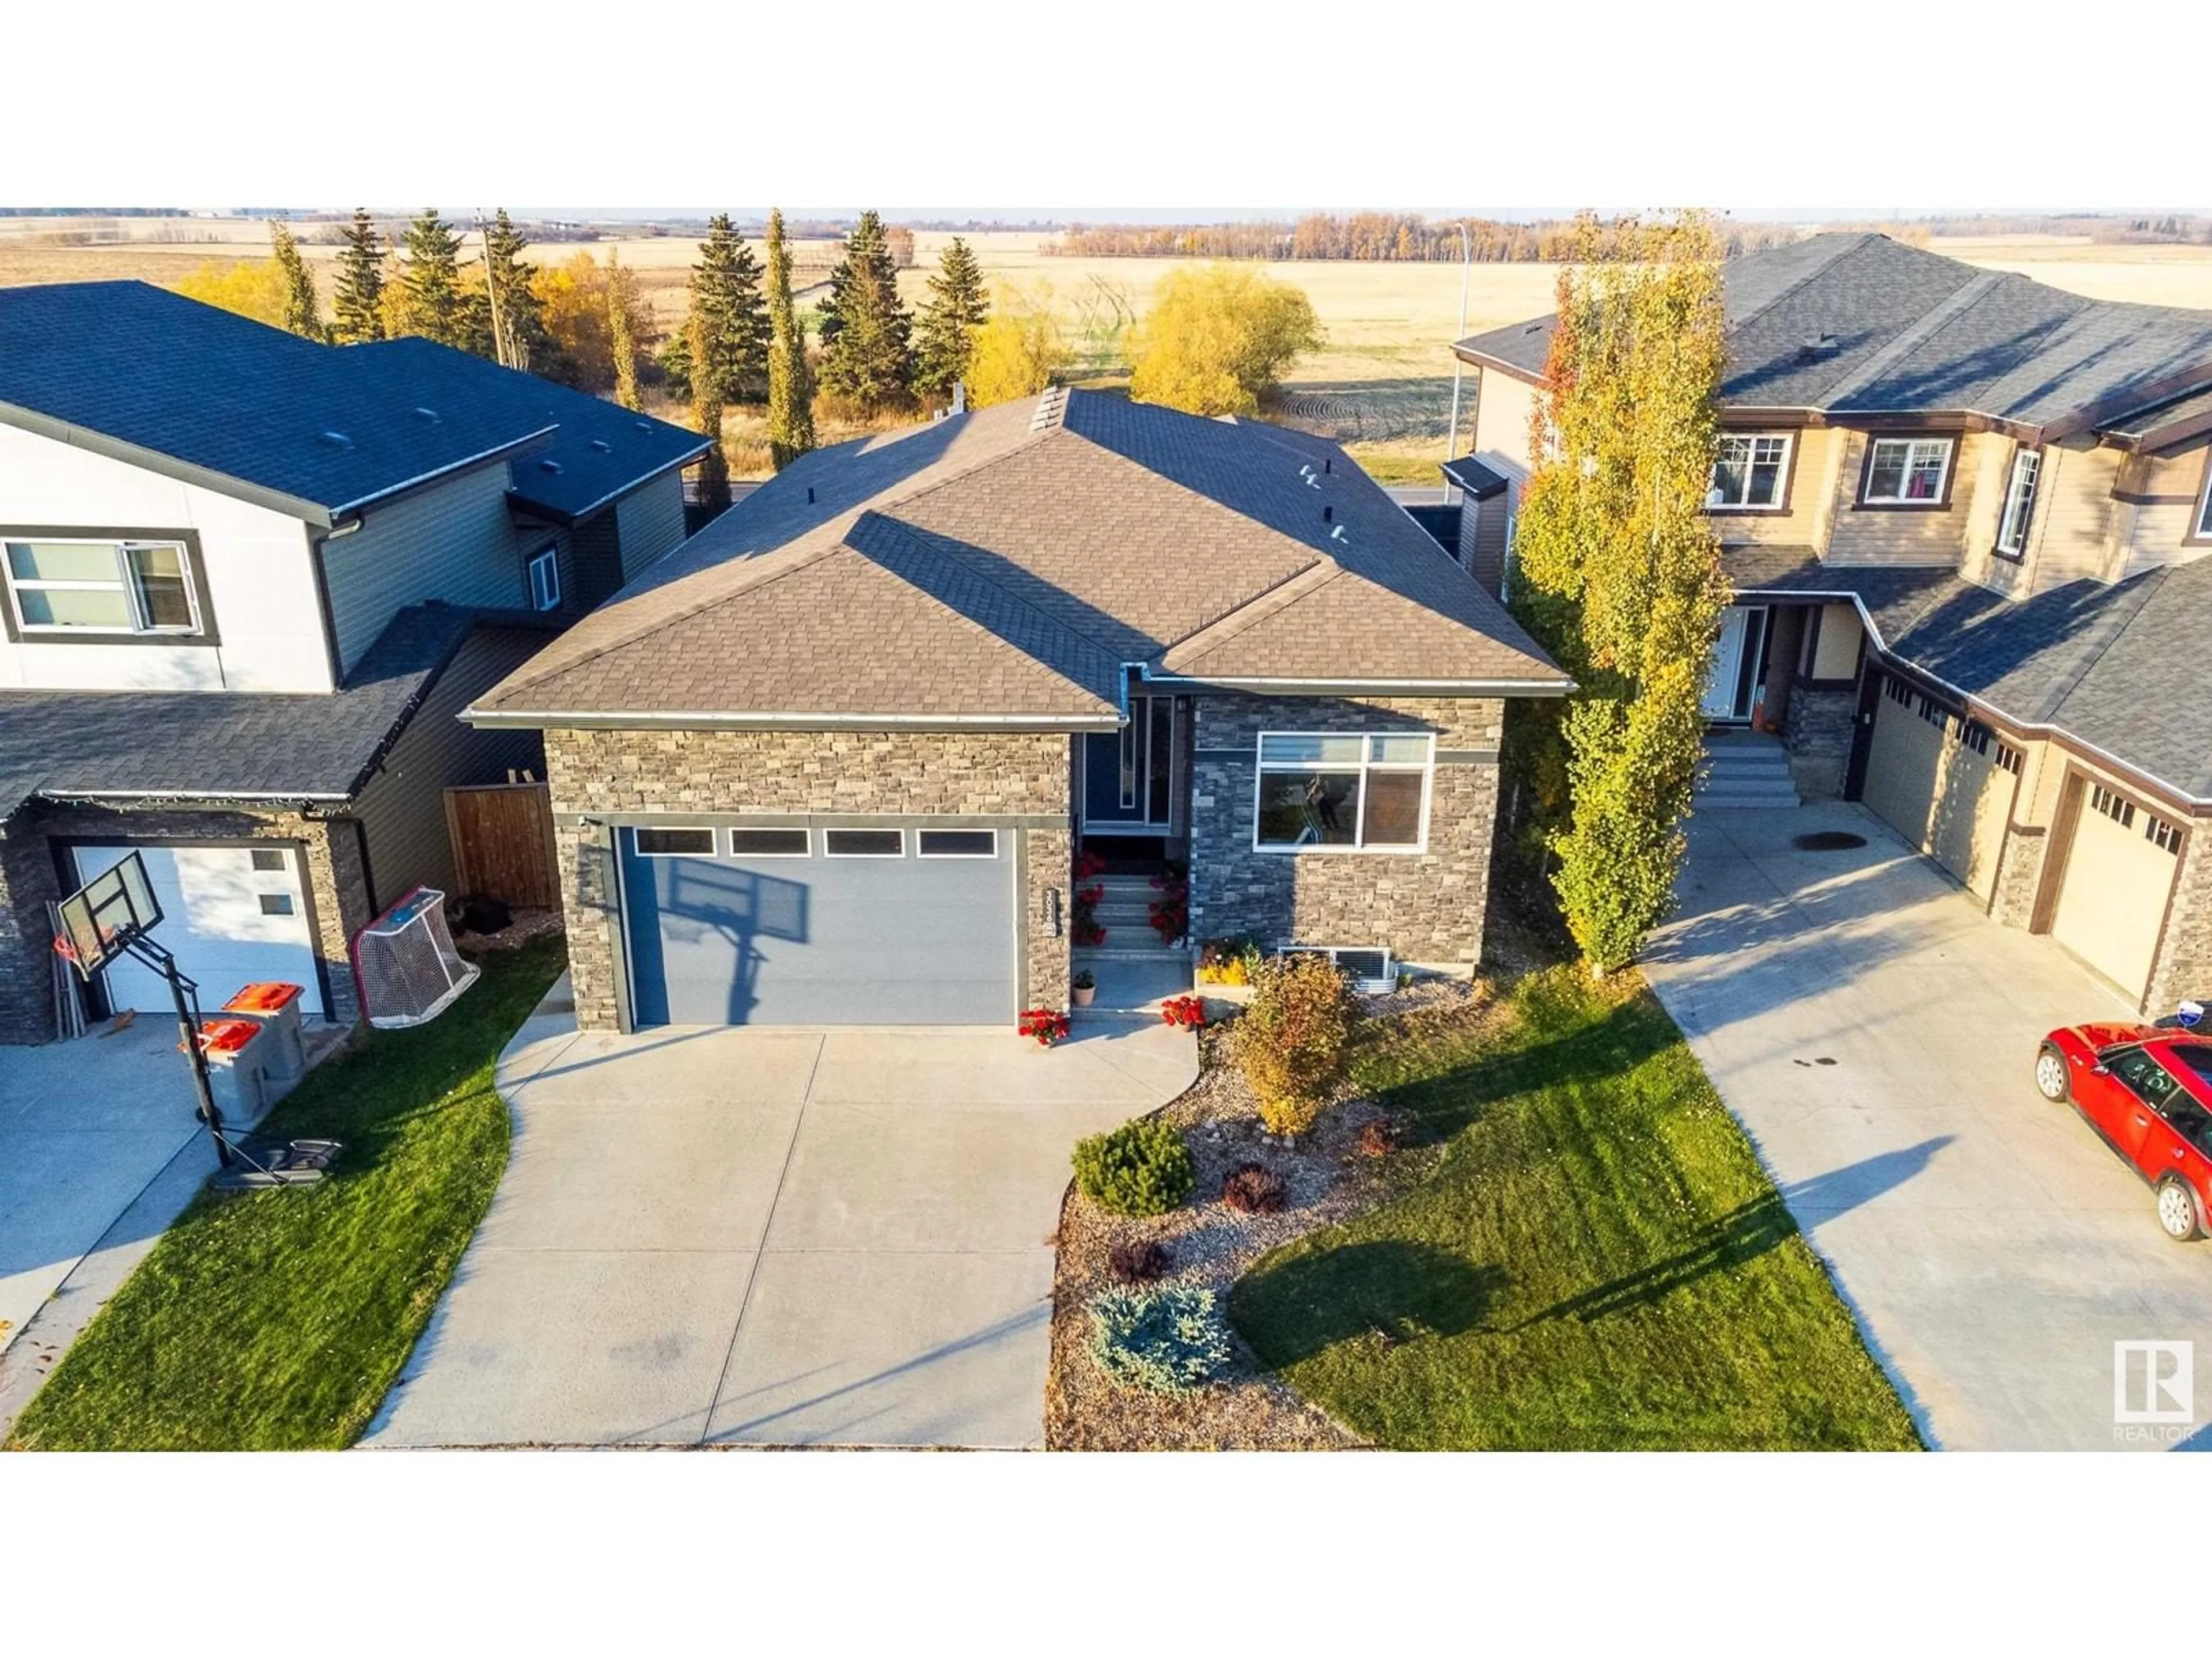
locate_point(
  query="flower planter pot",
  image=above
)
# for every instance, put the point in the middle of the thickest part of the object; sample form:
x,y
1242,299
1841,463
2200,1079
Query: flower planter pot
x,y
1082,995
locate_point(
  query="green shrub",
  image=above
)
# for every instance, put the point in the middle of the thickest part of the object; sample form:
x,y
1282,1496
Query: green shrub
x,y
1164,1340
1291,1041
1141,1169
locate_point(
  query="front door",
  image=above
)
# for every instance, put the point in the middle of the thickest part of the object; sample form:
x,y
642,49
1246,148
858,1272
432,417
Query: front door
x,y
1128,776
1731,684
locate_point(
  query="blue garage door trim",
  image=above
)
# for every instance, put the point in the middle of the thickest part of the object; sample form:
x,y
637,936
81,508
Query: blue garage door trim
x,y
820,941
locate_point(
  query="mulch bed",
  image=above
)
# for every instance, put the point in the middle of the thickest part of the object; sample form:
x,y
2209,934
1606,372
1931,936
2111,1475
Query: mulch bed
x,y
522,927
1329,1180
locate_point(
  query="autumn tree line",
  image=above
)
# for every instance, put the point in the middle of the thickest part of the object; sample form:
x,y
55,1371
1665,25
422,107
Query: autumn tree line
x,y
1369,236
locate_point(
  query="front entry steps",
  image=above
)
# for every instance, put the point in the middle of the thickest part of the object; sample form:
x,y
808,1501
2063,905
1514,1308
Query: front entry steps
x,y
1745,769
1136,970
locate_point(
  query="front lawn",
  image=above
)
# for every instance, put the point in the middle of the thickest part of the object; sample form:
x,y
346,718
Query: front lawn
x,y
1587,1255
279,1319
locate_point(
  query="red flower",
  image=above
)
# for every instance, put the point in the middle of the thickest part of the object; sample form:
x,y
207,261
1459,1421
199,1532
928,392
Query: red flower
x,y
1046,1025
1188,1011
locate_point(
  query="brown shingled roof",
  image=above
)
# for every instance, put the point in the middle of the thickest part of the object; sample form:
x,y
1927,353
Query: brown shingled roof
x,y
1006,563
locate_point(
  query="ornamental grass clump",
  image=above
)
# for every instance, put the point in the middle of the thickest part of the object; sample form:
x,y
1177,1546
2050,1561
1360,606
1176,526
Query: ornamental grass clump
x,y
1292,1043
1143,1167
1164,1341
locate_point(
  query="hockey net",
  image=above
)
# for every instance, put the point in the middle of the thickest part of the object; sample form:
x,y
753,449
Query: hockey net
x,y
405,963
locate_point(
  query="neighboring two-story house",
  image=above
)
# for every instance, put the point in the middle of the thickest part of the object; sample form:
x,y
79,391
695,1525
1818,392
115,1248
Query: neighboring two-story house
x,y
1964,516
831,762
246,583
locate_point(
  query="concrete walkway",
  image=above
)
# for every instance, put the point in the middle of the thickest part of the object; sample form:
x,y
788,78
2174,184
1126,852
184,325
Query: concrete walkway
x,y
1875,1031
772,1237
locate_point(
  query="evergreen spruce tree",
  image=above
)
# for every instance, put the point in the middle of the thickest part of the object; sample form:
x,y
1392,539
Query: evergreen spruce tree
x,y
732,339
511,300
867,360
358,303
945,336
302,314
431,299
713,478
790,380
622,332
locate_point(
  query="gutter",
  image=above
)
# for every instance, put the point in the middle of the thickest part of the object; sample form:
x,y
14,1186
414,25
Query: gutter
x,y
577,516
1291,687
678,720
2037,728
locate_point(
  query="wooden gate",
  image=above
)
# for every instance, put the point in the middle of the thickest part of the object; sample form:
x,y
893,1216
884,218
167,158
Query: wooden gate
x,y
503,837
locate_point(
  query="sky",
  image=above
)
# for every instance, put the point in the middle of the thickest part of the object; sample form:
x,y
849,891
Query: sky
x,y
1143,108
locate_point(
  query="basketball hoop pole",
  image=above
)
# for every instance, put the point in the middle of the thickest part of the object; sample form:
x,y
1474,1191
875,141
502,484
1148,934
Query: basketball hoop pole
x,y
188,1029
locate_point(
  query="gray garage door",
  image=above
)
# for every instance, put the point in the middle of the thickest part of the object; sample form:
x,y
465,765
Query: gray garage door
x,y
911,925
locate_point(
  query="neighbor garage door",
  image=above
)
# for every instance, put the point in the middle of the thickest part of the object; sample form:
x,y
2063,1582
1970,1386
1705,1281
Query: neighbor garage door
x,y
1936,779
2119,875
905,926
231,915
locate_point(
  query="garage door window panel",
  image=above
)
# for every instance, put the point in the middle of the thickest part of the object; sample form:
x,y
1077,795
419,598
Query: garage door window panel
x,y
769,844
864,843
692,841
956,843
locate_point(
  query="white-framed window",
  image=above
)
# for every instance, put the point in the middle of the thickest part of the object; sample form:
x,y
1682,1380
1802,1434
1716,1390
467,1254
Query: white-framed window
x,y
2166,837
1343,792
2114,806
1749,471
2203,530
2019,502
767,843
67,586
864,843
2008,759
545,578
674,841
1908,471
955,843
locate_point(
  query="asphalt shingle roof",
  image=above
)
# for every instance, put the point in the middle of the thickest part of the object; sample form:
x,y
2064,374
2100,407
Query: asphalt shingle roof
x,y
1856,323
1031,549
328,427
227,745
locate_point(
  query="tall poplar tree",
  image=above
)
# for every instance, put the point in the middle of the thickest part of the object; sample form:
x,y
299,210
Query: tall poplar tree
x,y
621,330
358,303
730,346
866,357
303,314
945,336
430,296
1617,572
714,476
790,380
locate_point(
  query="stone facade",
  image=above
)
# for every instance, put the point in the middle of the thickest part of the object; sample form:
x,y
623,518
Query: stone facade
x,y
619,776
1816,732
2183,966
1427,908
2020,874
30,877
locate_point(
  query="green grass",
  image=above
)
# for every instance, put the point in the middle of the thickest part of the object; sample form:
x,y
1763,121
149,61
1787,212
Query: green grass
x,y
1586,1254
279,1319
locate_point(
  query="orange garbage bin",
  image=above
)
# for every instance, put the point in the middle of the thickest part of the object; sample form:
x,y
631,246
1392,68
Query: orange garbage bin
x,y
275,1006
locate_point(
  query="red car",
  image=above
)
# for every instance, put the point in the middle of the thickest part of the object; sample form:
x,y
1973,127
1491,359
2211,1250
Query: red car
x,y
2148,1091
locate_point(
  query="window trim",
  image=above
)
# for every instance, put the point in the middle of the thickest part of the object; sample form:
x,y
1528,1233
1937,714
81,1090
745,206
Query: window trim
x,y
203,631
637,848
2018,551
923,852
831,851
548,557
729,840
2200,525
1786,478
1427,769
1940,503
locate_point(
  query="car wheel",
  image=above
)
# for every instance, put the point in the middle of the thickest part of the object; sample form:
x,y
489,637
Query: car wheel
x,y
2051,1079
2178,1213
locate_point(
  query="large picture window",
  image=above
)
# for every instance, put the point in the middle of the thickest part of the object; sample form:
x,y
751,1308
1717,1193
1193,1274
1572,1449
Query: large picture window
x,y
58,587
1749,473
1342,792
2019,503
1908,471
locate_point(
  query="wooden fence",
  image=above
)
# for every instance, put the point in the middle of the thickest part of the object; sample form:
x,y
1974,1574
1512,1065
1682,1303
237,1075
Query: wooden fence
x,y
503,837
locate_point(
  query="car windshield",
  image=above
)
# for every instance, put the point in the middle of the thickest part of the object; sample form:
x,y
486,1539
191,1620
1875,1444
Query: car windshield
x,y
2198,1057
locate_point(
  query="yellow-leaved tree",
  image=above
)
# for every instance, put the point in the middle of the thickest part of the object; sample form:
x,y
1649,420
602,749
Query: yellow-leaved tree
x,y
1018,351
1216,339
252,288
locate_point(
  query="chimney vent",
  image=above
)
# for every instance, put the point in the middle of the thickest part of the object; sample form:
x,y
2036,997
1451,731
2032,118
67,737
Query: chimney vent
x,y
1328,514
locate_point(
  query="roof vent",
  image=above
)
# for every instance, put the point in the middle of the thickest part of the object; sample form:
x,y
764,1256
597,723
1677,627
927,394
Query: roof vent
x,y
549,466
1328,463
603,446
1818,347
334,438
810,495
1328,514
430,415
642,426
1337,534
1051,408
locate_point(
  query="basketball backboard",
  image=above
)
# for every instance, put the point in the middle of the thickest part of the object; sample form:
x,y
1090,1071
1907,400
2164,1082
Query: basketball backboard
x,y
102,917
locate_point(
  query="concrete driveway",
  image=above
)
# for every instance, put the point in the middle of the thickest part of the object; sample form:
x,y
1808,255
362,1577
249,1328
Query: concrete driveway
x,y
1874,1030
779,1238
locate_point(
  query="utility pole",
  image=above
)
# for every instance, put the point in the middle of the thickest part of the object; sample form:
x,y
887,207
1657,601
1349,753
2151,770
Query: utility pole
x,y
1465,271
